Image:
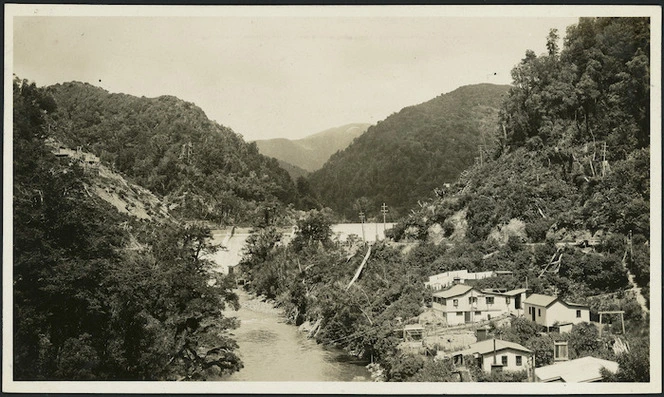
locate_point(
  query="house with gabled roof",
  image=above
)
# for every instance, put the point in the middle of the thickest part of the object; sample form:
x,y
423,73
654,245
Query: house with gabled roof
x,y
496,353
513,299
548,311
462,303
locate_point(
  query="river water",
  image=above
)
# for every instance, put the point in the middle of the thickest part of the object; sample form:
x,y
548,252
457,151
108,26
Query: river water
x,y
272,350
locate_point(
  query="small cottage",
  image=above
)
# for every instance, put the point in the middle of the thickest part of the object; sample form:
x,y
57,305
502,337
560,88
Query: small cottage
x,y
495,354
548,311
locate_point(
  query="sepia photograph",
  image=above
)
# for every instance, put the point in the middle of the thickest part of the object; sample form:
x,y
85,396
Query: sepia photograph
x,y
324,199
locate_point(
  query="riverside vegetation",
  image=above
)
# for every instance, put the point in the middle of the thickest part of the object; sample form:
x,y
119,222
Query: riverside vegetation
x,y
101,295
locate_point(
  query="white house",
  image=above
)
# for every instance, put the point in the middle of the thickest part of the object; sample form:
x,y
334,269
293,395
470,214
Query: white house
x,y
581,370
465,304
444,280
508,356
513,299
548,311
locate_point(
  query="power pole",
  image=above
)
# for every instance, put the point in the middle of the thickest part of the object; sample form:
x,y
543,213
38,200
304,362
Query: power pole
x,y
362,220
383,209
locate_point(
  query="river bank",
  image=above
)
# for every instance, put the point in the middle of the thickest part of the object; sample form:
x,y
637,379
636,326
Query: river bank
x,y
273,350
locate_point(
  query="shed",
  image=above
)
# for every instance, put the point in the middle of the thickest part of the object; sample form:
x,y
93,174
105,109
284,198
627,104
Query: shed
x,y
413,332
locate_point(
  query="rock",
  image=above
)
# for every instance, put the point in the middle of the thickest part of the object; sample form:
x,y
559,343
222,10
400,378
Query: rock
x,y
305,326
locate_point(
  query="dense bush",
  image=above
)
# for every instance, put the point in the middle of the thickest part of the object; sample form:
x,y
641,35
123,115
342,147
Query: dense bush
x,y
87,308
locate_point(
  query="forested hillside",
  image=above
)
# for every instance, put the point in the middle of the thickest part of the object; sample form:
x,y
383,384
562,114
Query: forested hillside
x,y
573,162
99,294
294,171
311,152
201,169
401,159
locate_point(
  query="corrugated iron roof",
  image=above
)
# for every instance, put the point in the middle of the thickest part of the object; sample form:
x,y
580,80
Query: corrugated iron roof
x,y
540,300
455,290
517,291
486,346
584,369
575,304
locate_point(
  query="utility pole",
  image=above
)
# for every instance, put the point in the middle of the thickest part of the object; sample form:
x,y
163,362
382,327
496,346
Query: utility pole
x,y
362,220
383,209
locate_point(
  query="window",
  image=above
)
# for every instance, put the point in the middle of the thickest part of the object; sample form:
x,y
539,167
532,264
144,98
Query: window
x,y
489,300
578,314
442,301
530,309
539,312
455,302
507,300
472,299
518,361
503,360
560,351
488,317
459,314
478,313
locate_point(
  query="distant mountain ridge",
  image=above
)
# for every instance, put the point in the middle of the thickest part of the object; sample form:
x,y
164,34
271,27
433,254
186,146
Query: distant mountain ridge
x,y
311,152
403,158
294,171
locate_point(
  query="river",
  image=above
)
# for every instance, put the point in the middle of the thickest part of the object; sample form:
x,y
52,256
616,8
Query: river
x,y
272,350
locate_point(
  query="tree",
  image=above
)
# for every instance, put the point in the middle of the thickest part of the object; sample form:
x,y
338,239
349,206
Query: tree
x,y
314,227
633,366
521,330
542,347
403,366
552,42
583,339
435,371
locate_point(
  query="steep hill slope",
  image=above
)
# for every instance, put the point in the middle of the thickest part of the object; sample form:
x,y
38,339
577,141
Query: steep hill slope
x,y
570,177
201,169
127,198
312,152
404,157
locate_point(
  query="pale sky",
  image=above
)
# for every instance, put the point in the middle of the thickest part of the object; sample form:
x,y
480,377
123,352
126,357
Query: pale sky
x,y
267,76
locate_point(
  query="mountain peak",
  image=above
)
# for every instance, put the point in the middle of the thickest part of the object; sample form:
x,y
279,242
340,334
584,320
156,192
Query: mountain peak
x,y
311,152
